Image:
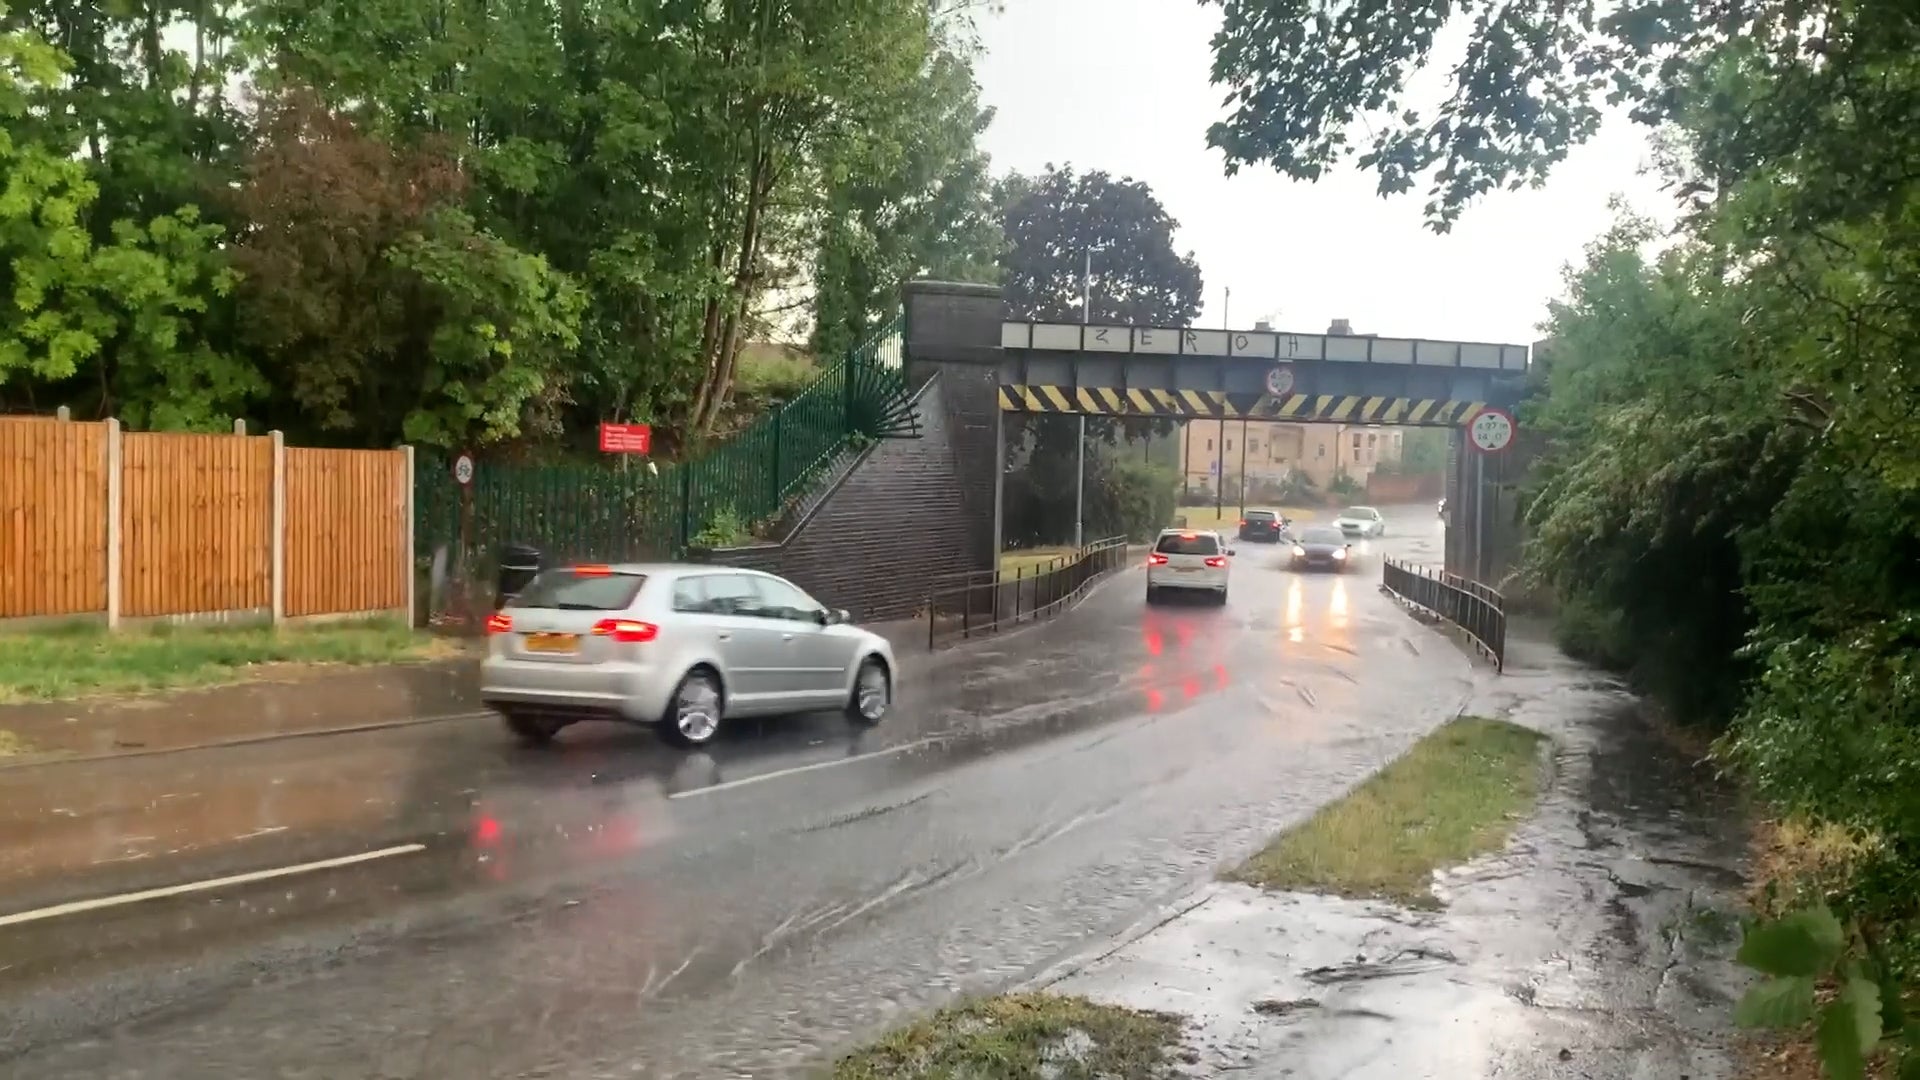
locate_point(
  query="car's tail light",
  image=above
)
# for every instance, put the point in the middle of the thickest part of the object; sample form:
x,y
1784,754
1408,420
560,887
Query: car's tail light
x,y
1156,559
592,570
1217,561
499,623
1243,523
627,631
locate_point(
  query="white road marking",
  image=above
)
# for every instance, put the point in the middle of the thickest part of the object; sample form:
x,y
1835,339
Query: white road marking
x,y
777,773
77,906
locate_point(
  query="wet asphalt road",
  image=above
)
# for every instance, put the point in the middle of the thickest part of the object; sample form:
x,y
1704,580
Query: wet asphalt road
x,y
611,907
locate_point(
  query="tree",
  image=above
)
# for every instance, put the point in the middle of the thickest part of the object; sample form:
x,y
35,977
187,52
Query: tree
x,y
1051,222
931,213
1301,74
675,158
382,309
118,319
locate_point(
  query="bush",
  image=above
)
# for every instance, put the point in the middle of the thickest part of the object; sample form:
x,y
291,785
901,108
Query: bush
x,y
1590,632
1133,499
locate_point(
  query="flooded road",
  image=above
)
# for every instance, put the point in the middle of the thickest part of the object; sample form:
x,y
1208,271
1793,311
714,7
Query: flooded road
x,y
611,907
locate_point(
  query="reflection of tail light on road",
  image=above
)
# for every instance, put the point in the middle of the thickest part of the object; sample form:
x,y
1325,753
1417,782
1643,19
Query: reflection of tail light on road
x,y
496,844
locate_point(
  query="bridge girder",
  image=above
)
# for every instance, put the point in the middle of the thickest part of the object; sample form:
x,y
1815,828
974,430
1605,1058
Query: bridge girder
x,y
1188,372
1196,372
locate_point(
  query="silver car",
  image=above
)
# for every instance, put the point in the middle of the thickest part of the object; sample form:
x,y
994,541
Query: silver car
x,y
682,647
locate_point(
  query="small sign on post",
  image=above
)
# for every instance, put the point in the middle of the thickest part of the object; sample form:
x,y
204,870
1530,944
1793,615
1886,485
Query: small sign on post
x,y
1491,430
626,439
463,470
1280,381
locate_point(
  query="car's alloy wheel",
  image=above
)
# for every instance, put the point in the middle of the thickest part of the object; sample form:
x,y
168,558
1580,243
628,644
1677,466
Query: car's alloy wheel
x,y
693,719
872,693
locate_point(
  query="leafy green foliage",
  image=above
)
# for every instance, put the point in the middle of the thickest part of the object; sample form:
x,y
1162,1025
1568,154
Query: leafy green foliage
x,y
1301,75
126,308
1802,950
724,529
1055,220
464,224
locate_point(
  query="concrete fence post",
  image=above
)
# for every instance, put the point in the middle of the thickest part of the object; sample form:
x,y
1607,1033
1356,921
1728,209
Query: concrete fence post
x,y
239,427
63,414
277,583
113,522
406,532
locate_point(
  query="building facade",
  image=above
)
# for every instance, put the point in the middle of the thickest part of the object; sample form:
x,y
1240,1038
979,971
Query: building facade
x,y
1267,453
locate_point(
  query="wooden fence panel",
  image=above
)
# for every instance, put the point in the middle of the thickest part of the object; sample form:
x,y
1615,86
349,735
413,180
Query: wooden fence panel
x,y
196,520
53,517
346,531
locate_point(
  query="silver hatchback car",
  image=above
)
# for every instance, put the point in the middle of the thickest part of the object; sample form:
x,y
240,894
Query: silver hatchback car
x,y
683,647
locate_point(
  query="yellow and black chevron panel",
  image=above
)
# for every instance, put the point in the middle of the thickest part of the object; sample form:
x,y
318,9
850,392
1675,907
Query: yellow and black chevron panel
x,y
1215,404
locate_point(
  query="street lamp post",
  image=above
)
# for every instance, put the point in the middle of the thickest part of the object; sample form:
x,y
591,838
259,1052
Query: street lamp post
x,y
1080,443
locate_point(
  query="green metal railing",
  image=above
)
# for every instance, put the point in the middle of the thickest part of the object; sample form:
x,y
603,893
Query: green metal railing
x,y
622,510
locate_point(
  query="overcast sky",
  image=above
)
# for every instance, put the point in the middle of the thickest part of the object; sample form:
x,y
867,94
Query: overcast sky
x,y
1121,85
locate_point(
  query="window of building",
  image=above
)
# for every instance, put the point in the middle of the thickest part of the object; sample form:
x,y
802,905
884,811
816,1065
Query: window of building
x,y
1372,439
1356,442
1320,450
1229,444
1209,444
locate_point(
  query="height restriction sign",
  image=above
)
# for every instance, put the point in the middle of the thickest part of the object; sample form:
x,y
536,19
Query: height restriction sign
x,y
1491,430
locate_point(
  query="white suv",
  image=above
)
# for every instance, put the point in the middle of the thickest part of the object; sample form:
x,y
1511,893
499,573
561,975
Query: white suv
x,y
1191,561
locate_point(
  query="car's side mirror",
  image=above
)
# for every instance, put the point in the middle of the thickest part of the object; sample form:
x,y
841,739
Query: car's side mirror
x,y
1230,551
833,616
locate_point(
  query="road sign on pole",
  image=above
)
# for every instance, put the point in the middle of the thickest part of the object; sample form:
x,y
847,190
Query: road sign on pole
x,y
463,470
1280,380
1491,430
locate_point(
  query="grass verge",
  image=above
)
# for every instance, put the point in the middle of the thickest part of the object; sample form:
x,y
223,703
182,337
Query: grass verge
x,y
1019,1036
1457,794
1031,560
78,661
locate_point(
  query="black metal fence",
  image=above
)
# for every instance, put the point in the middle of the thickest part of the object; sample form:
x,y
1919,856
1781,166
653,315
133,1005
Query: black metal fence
x,y
973,603
1475,608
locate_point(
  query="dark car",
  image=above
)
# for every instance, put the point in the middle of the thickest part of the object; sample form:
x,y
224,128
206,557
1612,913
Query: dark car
x,y
1264,526
1321,547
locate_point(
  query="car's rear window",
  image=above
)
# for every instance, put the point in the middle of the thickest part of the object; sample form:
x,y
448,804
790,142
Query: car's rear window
x,y
1259,515
1189,544
571,589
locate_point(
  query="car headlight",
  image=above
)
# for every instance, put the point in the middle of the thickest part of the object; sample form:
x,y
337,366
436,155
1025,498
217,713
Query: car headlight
x,y
1340,553
1299,552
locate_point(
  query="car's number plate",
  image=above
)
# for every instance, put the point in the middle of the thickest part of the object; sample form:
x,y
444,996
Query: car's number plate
x,y
552,643
1186,569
